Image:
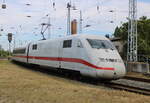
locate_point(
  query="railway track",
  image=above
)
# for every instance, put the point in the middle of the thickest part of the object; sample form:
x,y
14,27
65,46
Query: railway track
x,y
121,85
137,79
134,89
131,84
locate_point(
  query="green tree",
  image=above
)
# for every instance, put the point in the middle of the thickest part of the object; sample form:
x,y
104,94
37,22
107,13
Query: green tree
x,y
143,27
4,53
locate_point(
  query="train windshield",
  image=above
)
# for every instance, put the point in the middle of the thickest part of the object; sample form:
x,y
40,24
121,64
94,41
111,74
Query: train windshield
x,y
100,44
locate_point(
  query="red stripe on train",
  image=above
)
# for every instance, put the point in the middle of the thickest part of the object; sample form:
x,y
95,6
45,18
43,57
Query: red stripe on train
x,y
75,60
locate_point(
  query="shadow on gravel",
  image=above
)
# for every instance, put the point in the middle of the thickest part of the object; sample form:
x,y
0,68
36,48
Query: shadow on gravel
x,y
70,75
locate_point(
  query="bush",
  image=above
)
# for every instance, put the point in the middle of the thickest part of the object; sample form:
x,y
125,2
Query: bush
x,y
4,53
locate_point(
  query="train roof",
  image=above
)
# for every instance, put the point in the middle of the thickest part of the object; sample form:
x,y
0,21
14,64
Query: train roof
x,y
69,37
75,36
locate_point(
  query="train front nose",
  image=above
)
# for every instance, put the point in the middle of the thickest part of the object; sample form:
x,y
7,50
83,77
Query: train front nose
x,y
112,64
113,71
119,70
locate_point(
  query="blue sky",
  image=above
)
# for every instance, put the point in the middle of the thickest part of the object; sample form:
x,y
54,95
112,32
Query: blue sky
x,y
144,0
14,19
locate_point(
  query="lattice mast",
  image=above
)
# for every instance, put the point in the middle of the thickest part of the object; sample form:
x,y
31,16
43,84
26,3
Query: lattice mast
x,y
132,32
69,19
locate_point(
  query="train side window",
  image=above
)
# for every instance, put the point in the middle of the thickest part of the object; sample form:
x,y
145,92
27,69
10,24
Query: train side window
x,y
19,51
67,43
34,47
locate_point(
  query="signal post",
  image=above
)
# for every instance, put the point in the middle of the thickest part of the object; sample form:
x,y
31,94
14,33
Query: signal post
x,y
9,40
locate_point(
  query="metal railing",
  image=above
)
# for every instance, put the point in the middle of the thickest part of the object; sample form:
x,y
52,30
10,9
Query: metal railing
x,y
144,58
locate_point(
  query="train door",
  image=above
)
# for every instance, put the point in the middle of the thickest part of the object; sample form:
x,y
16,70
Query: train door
x,y
28,50
32,53
60,53
83,55
67,54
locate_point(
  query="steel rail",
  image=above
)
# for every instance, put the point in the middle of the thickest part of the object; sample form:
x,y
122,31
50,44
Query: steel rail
x,y
137,79
128,88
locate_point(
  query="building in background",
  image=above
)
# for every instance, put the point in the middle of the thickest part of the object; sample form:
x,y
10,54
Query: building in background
x,y
120,46
118,43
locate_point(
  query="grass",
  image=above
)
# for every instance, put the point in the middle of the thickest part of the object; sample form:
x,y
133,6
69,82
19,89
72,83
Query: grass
x,y
20,85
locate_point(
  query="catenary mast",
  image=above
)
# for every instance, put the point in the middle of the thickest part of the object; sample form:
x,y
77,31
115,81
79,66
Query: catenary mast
x,y
132,32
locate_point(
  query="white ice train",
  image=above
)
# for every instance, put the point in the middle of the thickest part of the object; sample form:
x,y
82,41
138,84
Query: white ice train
x,y
91,55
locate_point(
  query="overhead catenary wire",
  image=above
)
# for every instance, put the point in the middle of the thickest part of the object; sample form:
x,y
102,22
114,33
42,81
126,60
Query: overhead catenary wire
x,y
97,4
